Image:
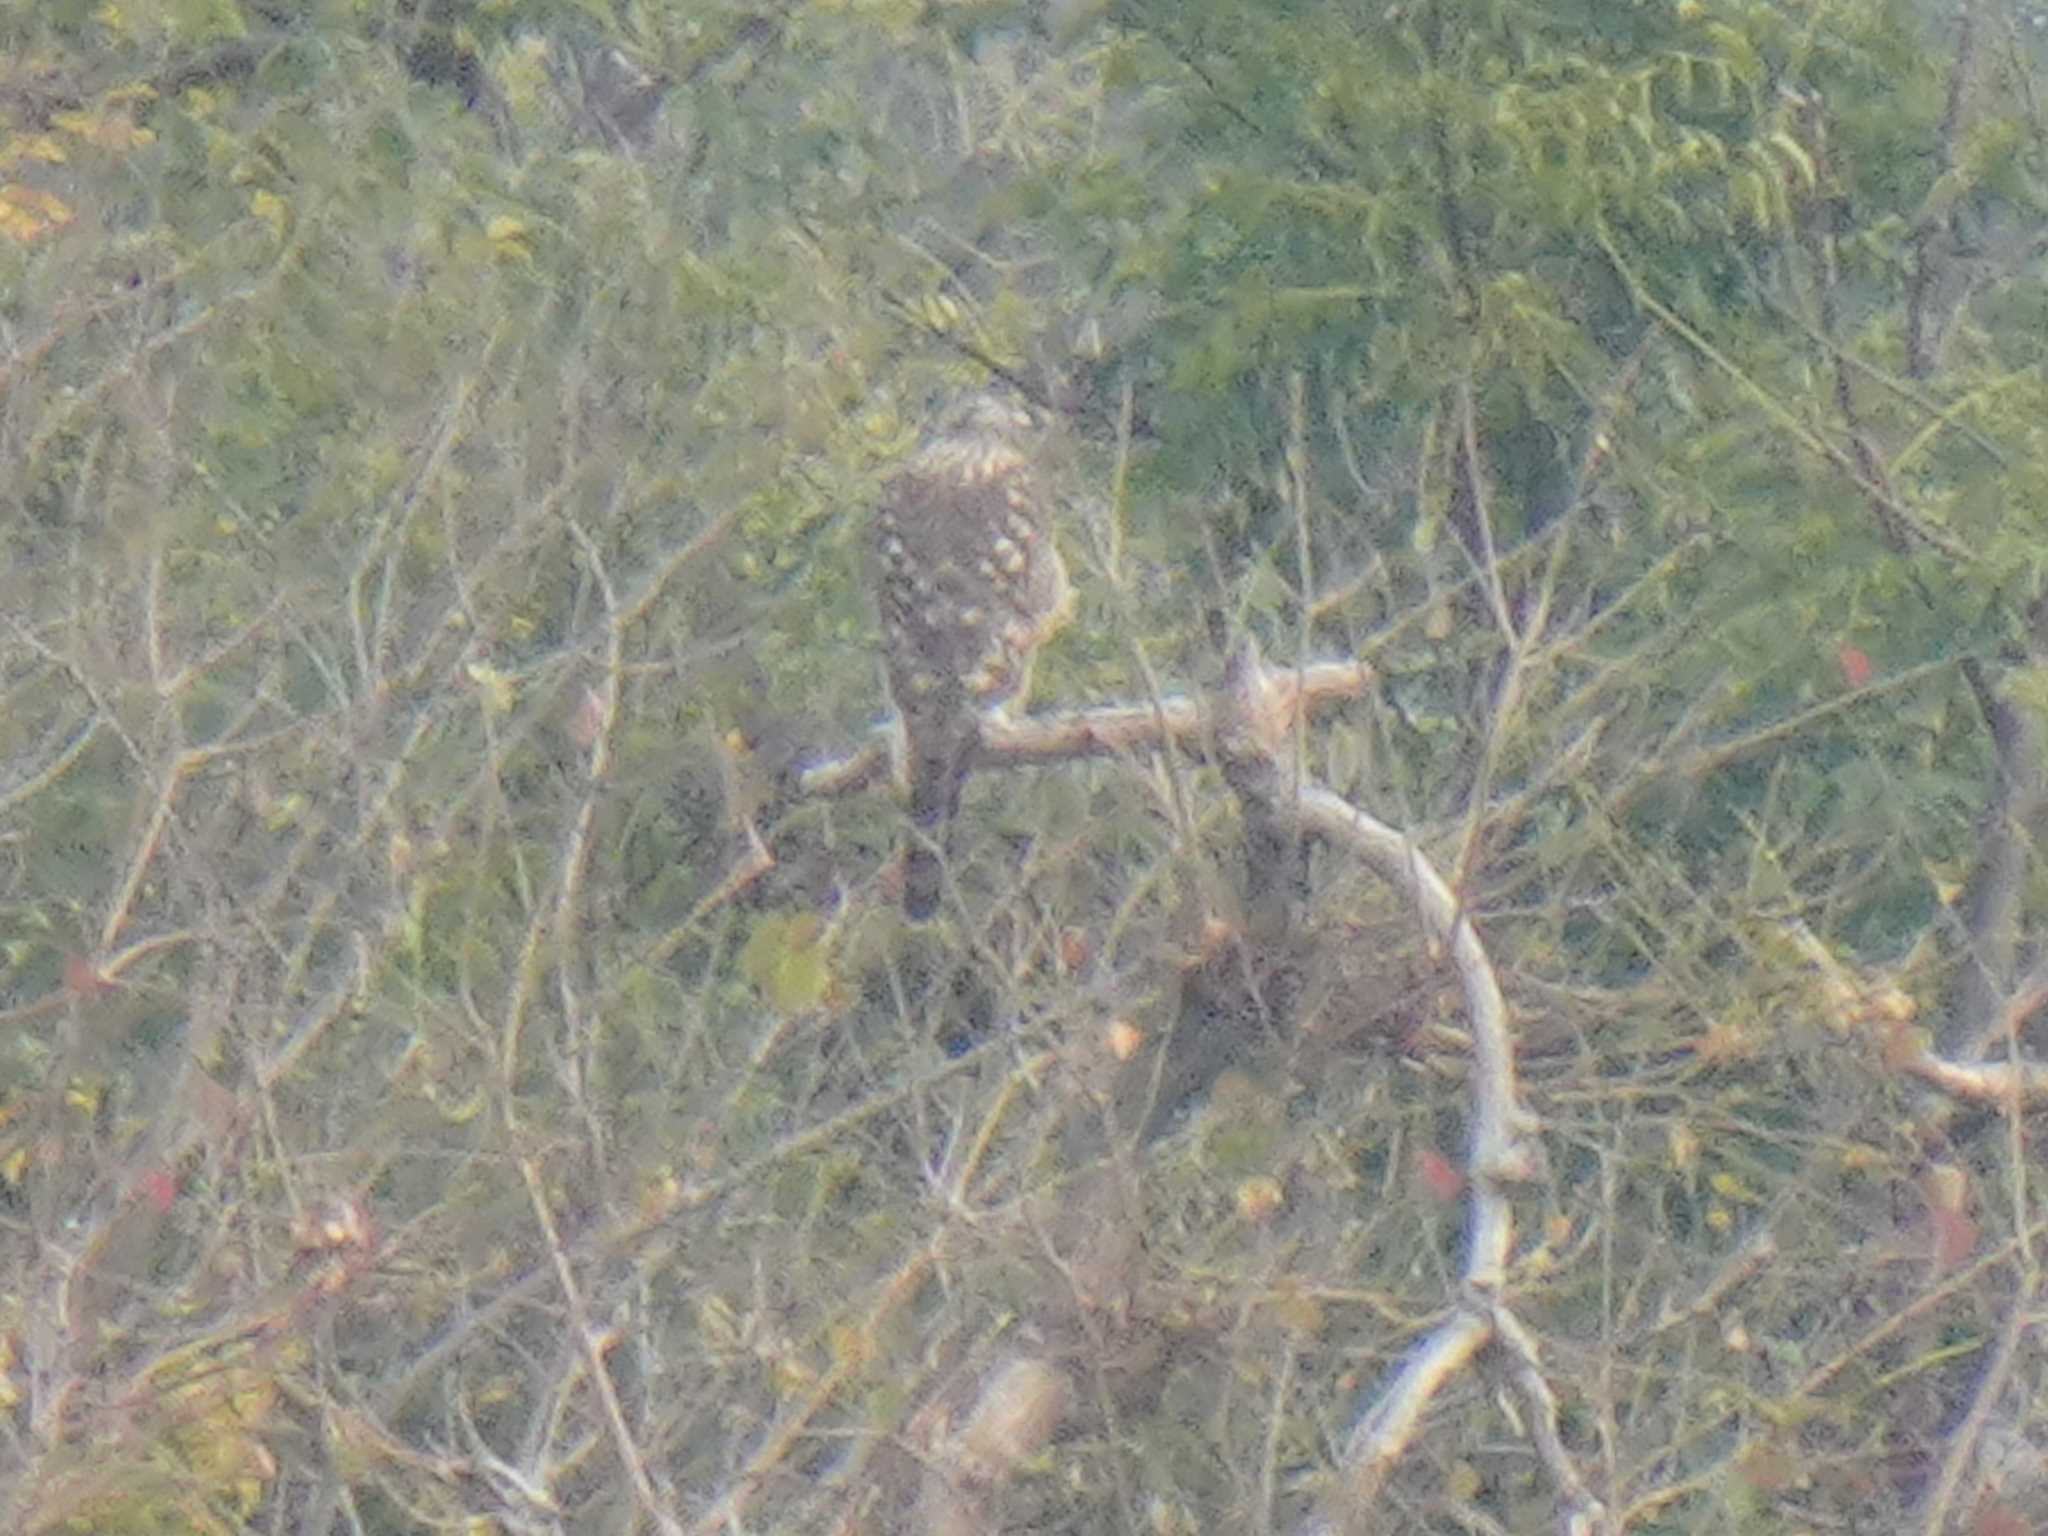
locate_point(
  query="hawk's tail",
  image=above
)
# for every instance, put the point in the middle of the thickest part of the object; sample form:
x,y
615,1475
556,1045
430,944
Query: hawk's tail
x,y
936,783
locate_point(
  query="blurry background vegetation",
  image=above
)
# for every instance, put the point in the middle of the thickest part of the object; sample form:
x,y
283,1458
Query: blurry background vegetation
x,y
435,437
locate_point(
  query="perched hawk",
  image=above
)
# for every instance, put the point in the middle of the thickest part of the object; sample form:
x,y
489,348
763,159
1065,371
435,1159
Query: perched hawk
x,y
969,586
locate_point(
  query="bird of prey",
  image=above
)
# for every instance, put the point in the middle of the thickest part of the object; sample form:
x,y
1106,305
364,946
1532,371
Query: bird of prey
x,y
970,585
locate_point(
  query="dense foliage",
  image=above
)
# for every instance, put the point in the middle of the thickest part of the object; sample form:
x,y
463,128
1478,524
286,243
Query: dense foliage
x,y
457,1071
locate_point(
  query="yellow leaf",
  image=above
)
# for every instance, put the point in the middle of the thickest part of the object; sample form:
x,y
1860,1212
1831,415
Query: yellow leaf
x,y
1795,153
41,147
110,131
1728,1187
286,811
508,236
271,209
660,1196
499,689
28,213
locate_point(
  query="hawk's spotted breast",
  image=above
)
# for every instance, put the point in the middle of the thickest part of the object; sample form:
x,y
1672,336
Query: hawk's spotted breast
x,y
970,585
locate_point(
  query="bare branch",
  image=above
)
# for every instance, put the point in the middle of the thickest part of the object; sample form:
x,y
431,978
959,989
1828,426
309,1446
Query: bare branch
x,y
1178,722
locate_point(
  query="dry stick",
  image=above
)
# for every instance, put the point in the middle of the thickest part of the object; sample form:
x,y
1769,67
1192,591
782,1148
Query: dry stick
x,y
1276,1417
66,661
576,857
1751,1260
1923,341
1179,801
1702,761
574,864
1527,643
2016,1149
42,778
1176,721
110,970
1956,1284
728,1510
1377,1440
390,534
1501,709
559,920
600,1373
2029,996
1996,1083
1503,1150
1990,915
2008,1085
185,763
1582,1512
1256,714
1023,1075
1502,1146
1486,558
144,855
755,860
1305,578
1991,1386
182,679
